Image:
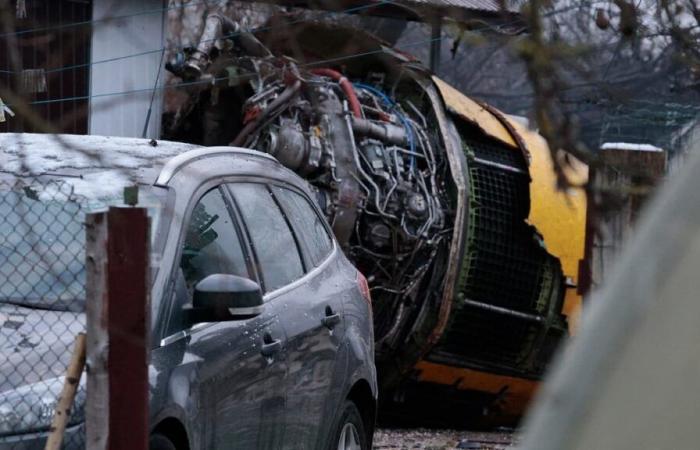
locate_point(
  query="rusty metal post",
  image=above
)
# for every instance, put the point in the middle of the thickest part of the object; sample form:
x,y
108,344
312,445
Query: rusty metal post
x,y
118,310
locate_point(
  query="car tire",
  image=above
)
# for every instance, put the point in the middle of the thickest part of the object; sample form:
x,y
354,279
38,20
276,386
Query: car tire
x,y
158,441
350,430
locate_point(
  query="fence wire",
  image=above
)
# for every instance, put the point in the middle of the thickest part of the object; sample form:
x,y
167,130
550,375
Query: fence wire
x,y
42,299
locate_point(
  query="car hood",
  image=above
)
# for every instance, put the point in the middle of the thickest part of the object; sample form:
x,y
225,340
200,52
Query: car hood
x,y
35,344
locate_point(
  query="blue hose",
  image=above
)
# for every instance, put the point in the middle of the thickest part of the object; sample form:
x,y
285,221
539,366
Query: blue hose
x,y
392,104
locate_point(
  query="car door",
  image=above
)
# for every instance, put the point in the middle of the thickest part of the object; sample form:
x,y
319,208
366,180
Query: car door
x,y
235,368
315,327
279,262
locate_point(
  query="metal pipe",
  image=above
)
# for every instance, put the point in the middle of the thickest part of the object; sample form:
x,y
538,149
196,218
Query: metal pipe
x,y
504,311
356,152
217,27
284,97
345,85
385,132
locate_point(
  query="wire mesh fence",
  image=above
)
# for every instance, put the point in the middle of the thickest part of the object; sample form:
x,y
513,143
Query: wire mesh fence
x,y
42,285
44,44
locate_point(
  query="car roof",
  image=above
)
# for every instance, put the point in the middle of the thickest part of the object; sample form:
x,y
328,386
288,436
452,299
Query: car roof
x,y
98,165
30,154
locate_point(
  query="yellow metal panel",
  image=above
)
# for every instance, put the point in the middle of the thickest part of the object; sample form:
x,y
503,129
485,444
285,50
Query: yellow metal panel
x,y
471,111
518,394
560,216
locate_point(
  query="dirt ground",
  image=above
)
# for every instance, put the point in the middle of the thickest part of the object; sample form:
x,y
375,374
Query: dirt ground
x,y
404,439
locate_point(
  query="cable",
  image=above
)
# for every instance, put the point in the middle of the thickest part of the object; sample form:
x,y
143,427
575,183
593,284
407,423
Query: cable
x,y
241,75
258,29
153,96
393,105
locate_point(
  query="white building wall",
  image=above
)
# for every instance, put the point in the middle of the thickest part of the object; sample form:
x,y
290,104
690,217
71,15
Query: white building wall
x,y
121,84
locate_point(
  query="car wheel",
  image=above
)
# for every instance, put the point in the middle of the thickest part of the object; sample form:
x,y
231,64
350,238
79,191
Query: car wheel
x,y
160,442
350,431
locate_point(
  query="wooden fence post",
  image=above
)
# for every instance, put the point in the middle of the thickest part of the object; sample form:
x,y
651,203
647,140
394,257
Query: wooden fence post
x,y
625,179
97,406
118,326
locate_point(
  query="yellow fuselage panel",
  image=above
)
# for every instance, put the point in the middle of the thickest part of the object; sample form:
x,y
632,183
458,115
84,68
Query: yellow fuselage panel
x,y
514,400
559,215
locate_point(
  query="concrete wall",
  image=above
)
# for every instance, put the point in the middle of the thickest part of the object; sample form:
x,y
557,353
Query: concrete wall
x,y
140,31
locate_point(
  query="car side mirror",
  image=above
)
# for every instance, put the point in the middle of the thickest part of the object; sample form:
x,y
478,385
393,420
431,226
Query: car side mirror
x,y
222,297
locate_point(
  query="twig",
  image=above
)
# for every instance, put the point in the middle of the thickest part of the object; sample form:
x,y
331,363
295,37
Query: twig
x,y
65,401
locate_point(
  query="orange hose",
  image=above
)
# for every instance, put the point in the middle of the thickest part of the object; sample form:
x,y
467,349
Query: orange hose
x,y
345,85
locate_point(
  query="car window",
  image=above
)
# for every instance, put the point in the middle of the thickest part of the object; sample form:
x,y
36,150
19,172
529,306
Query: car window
x,y
211,242
42,238
273,242
307,224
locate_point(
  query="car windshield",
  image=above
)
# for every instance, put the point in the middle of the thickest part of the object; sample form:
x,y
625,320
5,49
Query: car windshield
x,y
42,239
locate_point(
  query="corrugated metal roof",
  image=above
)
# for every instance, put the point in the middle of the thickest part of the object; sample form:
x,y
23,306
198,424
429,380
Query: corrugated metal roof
x,y
458,10
503,12
489,6
482,5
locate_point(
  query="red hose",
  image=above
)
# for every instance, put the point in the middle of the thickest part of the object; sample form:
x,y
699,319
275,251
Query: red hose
x,y
345,85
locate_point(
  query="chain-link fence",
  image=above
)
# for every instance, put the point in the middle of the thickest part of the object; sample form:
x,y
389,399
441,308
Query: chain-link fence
x,y
42,299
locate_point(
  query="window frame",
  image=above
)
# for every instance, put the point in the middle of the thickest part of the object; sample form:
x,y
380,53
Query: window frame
x,y
169,293
249,266
324,223
312,202
166,303
303,257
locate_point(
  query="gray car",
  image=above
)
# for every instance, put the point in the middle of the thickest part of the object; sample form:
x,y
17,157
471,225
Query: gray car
x,y
287,363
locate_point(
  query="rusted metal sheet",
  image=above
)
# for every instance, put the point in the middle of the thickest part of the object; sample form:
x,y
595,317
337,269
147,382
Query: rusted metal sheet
x,y
471,111
517,137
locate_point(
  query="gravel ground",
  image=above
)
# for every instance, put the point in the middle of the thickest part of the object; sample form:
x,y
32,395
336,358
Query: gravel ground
x,y
404,439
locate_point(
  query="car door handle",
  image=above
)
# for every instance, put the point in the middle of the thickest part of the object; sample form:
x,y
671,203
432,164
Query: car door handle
x,y
331,320
270,346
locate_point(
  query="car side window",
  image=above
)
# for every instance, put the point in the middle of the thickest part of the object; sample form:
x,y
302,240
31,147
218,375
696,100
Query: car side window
x,y
272,240
211,242
307,224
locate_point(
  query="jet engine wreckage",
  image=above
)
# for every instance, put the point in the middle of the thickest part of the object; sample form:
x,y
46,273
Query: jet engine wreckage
x,y
428,193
